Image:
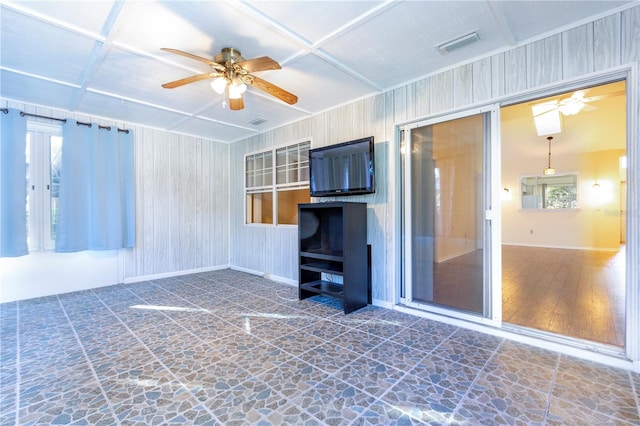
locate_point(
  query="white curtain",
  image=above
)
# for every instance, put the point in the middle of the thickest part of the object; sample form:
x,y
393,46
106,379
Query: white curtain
x,y
13,184
97,199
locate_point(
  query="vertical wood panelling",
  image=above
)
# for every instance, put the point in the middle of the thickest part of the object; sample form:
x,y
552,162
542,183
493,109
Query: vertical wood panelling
x,y
544,61
400,108
606,42
421,98
481,80
148,188
631,35
577,48
441,92
188,204
515,70
498,75
463,85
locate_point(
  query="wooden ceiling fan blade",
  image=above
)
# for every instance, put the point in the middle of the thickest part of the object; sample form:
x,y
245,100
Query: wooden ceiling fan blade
x,y
209,62
263,63
236,104
192,79
274,90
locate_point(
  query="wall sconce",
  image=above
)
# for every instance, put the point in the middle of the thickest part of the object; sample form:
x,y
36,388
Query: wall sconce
x,y
506,194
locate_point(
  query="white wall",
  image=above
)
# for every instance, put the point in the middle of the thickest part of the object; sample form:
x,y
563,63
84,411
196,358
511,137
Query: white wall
x,y
595,225
182,219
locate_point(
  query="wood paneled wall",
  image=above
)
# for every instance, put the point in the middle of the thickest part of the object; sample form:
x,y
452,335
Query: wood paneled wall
x,y
596,46
182,212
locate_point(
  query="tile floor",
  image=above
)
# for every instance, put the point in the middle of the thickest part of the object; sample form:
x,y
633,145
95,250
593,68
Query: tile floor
x,y
229,348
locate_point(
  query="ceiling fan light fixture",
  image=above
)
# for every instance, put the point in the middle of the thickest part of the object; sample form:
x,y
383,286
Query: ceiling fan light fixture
x,y
236,90
219,84
571,107
549,170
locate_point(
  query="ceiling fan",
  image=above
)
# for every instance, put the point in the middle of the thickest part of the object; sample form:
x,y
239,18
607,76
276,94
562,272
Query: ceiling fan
x,y
232,74
577,102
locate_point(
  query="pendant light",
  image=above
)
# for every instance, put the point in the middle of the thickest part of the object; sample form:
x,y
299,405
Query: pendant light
x,y
549,170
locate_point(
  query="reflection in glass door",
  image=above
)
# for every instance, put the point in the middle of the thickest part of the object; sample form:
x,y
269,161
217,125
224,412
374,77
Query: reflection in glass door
x,y
446,235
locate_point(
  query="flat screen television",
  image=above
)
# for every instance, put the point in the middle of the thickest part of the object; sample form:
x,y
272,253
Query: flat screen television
x,y
343,169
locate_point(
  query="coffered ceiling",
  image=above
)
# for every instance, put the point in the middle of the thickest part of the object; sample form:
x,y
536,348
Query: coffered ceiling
x,y
103,58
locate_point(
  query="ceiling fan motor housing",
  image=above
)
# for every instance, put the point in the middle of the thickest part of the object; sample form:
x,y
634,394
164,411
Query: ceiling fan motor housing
x,y
229,55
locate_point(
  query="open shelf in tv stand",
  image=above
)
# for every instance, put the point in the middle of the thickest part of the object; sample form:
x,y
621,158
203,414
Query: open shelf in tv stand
x,y
333,241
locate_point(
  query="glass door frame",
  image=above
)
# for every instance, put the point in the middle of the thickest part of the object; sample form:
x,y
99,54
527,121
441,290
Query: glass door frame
x,y
491,169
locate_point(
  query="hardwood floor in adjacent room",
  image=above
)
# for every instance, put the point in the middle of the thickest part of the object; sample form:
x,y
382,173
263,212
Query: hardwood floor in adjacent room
x,y
577,293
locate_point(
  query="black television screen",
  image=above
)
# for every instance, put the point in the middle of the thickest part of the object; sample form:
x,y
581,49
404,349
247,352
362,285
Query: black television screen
x,y
342,169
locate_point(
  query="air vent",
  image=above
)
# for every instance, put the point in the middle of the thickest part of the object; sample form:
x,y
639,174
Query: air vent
x,y
457,42
258,121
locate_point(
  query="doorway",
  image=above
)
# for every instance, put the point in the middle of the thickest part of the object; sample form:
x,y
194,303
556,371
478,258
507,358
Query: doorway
x,y
563,263
447,235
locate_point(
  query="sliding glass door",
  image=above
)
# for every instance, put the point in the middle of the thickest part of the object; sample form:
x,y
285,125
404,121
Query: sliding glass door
x,y
447,212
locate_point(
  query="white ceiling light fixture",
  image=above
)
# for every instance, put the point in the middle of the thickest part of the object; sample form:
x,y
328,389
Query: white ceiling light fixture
x,y
458,42
236,89
549,170
573,105
219,84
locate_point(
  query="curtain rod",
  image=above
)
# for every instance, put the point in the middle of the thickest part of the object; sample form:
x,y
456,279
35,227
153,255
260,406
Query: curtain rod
x,y
64,120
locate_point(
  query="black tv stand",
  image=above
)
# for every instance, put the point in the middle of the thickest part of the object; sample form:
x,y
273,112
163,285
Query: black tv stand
x,y
332,240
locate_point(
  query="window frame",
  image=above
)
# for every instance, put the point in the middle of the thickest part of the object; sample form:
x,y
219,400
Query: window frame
x,y
39,185
274,187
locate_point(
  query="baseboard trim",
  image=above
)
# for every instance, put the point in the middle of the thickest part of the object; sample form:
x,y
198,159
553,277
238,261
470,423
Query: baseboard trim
x,y
141,278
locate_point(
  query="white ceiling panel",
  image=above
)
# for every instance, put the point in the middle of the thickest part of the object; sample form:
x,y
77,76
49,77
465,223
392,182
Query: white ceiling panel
x,y
103,57
89,16
330,85
127,111
36,91
314,20
212,130
130,75
40,48
202,28
388,57
256,106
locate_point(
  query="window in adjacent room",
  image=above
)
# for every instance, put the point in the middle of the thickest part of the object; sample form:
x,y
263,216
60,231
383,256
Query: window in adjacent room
x,y
43,152
276,181
550,192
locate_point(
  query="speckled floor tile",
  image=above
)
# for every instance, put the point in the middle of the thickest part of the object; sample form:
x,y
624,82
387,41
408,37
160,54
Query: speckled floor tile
x,y
383,414
526,353
417,340
293,377
534,376
423,400
229,348
476,339
167,403
357,341
249,403
329,357
448,375
326,330
613,399
334,402
297,343
394,355
455,351
370,375
495,400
